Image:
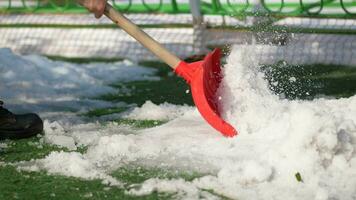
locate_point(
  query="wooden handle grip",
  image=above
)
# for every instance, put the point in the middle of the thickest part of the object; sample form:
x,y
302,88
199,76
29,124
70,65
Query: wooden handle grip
x,y
159,50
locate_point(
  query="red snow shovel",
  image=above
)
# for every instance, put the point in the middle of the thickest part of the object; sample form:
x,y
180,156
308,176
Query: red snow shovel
x,y
203,76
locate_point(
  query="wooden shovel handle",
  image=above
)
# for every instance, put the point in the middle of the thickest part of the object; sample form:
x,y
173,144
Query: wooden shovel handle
x,y
142,37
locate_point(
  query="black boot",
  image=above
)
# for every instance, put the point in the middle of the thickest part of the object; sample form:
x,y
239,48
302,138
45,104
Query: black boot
x,y
18,126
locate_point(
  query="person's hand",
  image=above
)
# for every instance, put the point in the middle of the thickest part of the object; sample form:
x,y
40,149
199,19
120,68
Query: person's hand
x,y
95,6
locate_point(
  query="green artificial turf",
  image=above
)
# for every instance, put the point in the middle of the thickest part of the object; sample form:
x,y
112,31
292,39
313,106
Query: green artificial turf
x,y
309,82
140,124
136,174
169,88
292,82
39,185
105,111
25,149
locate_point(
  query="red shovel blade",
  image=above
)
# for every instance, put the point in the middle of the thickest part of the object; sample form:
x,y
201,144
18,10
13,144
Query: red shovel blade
x,y
204,78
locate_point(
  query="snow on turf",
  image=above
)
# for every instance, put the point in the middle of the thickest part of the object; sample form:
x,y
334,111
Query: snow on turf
x,y
81,168
27,81
151,111
278,139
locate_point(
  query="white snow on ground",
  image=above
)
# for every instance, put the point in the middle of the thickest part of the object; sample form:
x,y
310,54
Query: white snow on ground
x,y
82,168
3,146
277,139
27,81
151,111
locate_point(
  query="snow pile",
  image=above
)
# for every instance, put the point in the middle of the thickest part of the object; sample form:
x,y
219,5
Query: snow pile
x,y
151,111
278,139
3,146
81,168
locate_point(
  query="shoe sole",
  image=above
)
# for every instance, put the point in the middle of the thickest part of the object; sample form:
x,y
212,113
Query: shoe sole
x,y
26,133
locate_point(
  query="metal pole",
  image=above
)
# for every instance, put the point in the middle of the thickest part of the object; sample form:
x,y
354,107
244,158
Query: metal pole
x,y
199,27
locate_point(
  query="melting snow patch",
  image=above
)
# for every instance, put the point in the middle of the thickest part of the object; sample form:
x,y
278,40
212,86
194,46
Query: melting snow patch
x,y
27,81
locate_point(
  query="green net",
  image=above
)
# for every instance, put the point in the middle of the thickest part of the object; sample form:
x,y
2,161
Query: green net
x,y
316,8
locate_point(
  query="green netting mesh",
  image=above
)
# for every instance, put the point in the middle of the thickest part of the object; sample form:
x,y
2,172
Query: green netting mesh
x,y
321,8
